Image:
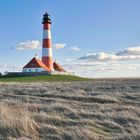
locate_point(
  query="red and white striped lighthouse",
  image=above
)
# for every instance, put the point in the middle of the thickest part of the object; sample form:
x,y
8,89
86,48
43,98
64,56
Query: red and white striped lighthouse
x,y
47,58
47,63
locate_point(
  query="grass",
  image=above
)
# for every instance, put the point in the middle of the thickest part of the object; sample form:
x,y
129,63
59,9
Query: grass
x,y
85,110
42,78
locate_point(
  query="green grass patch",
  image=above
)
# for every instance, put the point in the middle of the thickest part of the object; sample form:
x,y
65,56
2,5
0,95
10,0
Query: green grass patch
x,y
42,78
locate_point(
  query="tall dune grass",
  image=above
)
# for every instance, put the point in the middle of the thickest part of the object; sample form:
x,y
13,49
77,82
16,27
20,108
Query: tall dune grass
x,y
108,110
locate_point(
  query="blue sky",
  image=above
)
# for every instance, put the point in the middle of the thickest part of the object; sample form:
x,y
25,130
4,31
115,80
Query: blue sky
x,y
94,30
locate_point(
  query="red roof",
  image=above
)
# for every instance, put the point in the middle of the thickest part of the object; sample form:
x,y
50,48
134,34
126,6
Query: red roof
x,y
36,63
58,67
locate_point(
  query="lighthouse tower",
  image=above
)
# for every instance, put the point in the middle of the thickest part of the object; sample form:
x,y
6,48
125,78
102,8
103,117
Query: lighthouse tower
x,y
46,45
47,64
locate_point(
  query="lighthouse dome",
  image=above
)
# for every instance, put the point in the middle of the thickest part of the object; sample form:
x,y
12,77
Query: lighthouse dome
x,y
46,18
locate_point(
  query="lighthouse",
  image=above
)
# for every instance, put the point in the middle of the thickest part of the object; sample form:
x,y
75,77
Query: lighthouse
x,y
47,58
46,64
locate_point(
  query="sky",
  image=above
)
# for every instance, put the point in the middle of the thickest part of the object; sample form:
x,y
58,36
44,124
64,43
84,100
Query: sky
x,y
93,38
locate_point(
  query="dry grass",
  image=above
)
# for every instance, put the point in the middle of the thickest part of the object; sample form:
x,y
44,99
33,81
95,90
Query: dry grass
x,y
98,110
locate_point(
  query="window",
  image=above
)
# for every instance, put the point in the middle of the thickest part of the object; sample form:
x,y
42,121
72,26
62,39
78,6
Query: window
x,y
36,70
30,70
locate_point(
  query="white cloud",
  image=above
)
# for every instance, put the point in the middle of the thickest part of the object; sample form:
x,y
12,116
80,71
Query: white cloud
x,y
99,57
124,55
59,46
75,48
28,45
129,51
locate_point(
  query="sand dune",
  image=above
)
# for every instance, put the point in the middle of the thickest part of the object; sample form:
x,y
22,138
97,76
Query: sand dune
x,y
98,110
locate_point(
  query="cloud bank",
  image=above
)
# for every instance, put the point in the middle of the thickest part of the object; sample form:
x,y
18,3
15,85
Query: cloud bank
x,y
129,51
107,64
123,55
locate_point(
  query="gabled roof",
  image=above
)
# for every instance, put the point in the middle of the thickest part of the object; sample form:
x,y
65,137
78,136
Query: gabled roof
x,y
58,67
36,63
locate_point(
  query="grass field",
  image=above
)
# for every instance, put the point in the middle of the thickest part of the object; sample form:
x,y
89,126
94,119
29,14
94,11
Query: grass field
x,y
42,78
85,110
